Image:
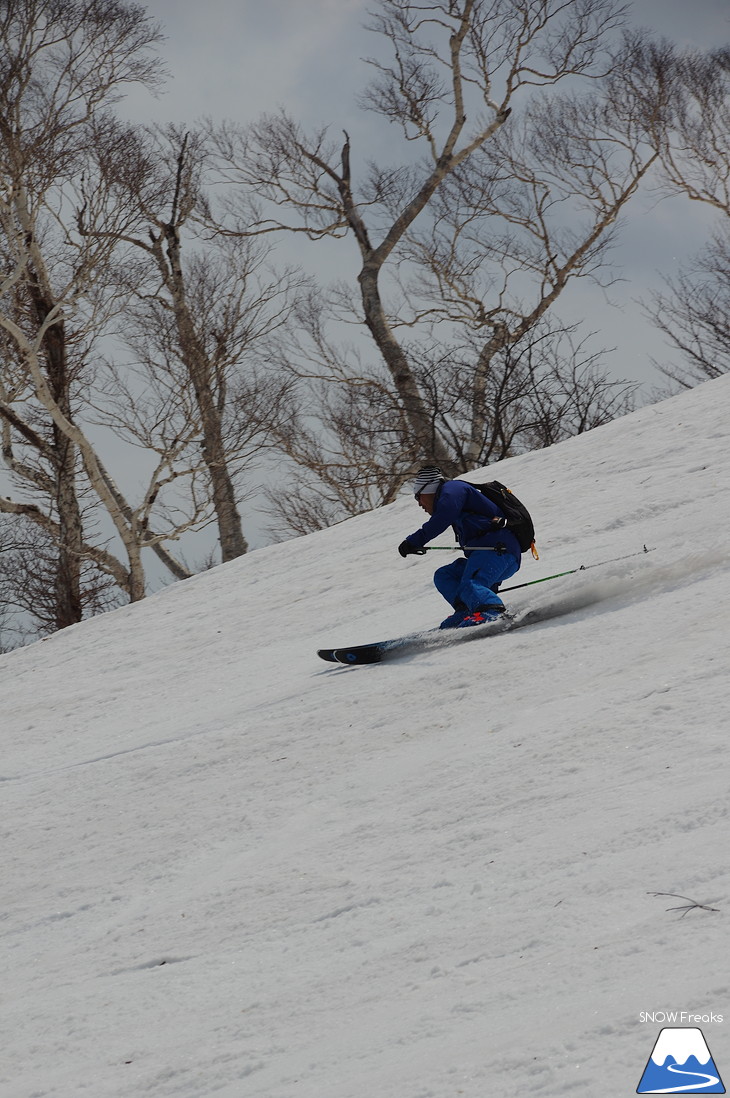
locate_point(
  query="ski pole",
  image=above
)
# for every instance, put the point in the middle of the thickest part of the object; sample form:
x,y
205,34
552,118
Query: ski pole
x,y
470,548
558,575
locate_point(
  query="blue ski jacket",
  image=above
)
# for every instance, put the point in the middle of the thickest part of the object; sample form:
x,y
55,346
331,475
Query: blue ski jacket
x,y
470,513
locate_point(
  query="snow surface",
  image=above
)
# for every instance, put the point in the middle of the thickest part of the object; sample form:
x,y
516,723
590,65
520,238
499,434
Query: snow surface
x,y
229,869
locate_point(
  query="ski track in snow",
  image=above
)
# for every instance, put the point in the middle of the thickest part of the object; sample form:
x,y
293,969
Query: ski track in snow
x,y
232,871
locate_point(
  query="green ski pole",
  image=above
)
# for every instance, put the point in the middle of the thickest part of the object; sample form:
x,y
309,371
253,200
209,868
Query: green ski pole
x,y
558,575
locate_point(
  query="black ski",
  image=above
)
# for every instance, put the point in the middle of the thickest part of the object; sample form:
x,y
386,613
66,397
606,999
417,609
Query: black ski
x,y
380,650
433,638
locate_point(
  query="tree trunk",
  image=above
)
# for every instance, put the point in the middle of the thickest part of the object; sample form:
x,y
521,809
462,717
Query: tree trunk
x,y
67,586
232,541
69,608
423,432
425,438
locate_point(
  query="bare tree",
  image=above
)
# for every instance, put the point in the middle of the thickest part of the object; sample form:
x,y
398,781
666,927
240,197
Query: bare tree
x,y
464,251
201,308
341,429
541,390
28,578
62,64
458,68
346,437
692,138
533,210
694,315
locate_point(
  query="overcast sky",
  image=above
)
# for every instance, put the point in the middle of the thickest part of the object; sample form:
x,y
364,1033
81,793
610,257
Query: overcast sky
x,y
241,57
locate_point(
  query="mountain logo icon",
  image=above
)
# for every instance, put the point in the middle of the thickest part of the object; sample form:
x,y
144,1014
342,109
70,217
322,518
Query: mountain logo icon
x,y
680,1063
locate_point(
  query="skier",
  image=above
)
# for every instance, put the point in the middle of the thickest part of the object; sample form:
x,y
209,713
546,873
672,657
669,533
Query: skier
x,y
491,552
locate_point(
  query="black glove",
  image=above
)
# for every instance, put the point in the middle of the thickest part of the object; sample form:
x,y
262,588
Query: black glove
x,y
406,548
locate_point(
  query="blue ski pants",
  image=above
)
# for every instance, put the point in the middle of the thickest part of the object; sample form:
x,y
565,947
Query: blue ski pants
x,y
467,582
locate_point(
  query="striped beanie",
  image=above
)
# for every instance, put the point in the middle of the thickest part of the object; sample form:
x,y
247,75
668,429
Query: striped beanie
x,y
428,479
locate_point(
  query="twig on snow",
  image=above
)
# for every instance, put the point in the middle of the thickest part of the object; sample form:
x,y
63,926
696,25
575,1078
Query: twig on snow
x,y
691,905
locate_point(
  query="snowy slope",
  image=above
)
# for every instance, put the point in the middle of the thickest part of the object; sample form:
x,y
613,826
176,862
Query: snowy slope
x,y
232,870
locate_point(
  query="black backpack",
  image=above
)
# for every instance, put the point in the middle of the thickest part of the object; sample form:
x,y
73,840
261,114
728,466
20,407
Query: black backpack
x,y
517,515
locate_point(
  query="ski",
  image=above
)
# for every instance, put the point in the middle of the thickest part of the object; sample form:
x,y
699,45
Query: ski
x,y
378,651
